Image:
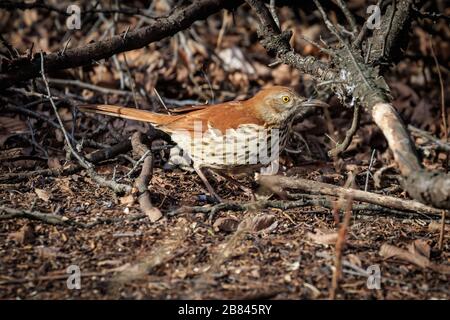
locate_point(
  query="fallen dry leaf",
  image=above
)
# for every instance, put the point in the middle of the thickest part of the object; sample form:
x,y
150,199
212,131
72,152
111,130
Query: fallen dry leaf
x,y
50,252
420,247
266,222
227,224
436,226
10,127
414,255
388,251
154,214
127,200
53,163
234,60
42,194
24,236
323,237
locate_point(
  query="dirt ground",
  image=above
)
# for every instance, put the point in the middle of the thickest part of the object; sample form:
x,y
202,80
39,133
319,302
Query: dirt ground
x,y
184,256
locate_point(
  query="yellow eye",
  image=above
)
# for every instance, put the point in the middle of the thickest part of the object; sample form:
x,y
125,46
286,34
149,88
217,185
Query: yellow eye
x,y
286,99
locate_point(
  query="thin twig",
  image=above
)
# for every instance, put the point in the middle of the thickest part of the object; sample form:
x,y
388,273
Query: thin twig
x,y
273,11
440,145
161,100
132,82
54,219
341,147
80,159
117,187
369,170
340,244
348,15
138,163
442,232
443,110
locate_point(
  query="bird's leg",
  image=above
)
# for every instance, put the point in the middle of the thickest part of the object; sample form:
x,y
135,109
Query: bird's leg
x,y
207,184
234,181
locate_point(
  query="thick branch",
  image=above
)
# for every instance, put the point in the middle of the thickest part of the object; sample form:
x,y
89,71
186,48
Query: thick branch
x,y
278,184
23,68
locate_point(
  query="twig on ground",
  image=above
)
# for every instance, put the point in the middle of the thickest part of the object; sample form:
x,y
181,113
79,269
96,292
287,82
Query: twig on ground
x,y
53,219
296,201
141,183
340,244
442,232
278,184
94,157
440,145
341,147
443,109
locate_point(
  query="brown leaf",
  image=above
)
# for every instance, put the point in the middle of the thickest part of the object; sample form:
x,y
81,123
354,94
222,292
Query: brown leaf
x,y
389,251
64,185
127,200
9,127
154,214
259,223
24,236
50,252
53,163
226,224
420,247
325,238
414,255
436,226
42,194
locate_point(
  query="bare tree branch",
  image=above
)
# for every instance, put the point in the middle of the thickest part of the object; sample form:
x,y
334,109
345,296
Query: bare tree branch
x,y
24,68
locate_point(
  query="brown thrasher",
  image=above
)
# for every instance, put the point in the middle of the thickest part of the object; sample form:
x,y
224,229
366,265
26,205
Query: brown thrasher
x,y
230,137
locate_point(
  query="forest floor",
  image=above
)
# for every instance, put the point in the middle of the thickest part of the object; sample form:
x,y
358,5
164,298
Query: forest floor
x,y
184,256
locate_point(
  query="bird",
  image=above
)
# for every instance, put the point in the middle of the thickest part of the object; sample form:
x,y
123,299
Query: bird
x,y
231,137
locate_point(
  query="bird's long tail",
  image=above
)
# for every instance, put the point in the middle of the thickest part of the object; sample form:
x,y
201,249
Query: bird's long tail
x,y
128,113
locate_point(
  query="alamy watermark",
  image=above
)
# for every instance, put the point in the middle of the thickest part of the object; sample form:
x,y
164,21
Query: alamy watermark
x,y
373,277
73,22
374,20
74,278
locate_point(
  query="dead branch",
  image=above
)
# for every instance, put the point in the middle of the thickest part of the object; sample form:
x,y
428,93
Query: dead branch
x,y
278,184
440,145
340,244
341,147
48,218
296,201
442,232
94,157
23,68
141,183
59,220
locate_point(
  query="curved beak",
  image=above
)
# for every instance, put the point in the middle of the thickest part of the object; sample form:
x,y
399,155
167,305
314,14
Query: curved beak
x,y
314,103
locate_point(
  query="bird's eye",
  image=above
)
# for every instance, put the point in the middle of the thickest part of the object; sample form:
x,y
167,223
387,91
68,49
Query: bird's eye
x,y
286,99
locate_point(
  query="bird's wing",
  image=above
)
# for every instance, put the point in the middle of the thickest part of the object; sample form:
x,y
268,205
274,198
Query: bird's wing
x,y
129,113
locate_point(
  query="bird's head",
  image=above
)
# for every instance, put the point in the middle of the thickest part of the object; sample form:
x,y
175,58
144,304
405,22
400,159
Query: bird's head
x,y
278,104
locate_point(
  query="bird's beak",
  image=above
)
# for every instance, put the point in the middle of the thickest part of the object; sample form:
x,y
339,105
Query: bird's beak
x,y
314,103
